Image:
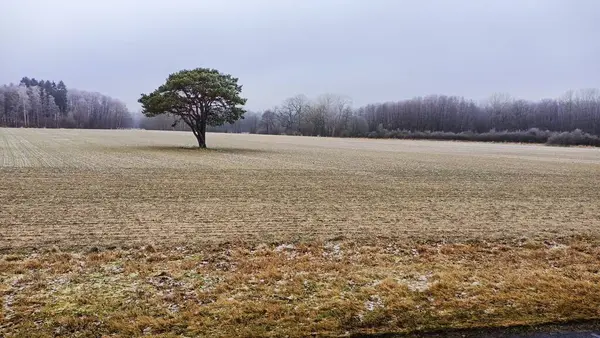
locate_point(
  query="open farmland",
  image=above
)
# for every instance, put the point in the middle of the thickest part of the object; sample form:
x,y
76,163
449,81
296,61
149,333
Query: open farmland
x,y
133,232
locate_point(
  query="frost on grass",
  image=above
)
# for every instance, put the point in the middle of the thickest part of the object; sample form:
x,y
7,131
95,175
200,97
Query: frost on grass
x,y
297,296
332,250
288,249
113,268
285,247
417,283
373,303
7,306
552,245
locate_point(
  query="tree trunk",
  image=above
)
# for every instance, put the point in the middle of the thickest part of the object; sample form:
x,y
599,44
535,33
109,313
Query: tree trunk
x,y
198,128
200,133
201,140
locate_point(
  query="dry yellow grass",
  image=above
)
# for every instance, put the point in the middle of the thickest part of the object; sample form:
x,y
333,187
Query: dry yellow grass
x,y
276,235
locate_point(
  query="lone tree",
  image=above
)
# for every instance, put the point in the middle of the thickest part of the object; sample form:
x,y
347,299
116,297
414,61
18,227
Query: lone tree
x,y
198,97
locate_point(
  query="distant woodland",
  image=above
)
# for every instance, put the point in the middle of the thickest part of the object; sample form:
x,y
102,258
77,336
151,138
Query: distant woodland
x,y
573,118
47,104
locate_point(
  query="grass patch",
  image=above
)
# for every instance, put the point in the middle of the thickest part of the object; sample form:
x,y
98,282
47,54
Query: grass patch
x,y
365,288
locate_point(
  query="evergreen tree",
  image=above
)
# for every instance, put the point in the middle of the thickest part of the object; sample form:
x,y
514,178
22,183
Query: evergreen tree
x,y
200,97
61,97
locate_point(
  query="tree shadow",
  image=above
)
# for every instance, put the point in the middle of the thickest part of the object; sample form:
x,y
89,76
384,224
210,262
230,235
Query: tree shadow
x,y
195,149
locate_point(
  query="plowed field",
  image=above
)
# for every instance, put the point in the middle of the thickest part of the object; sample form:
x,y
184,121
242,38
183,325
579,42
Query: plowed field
x,y
80,188
136,232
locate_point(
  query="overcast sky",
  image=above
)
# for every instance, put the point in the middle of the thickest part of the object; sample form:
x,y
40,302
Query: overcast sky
x,y
370,50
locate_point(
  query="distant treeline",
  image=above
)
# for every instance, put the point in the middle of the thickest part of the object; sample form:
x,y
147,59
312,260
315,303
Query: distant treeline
x,y
533,135
571,119
574,118
45,104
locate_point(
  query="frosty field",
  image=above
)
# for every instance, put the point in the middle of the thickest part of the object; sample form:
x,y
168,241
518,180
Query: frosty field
x,y
131,232
78,188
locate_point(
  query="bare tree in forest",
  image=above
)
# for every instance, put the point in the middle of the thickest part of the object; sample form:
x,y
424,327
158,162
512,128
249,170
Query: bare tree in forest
x,y
268,123
291,112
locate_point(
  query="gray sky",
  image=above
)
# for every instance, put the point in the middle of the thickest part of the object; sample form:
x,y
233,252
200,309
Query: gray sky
x,y
372,51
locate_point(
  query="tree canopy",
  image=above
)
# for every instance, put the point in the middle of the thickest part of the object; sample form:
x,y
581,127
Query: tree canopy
x,y
198,97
